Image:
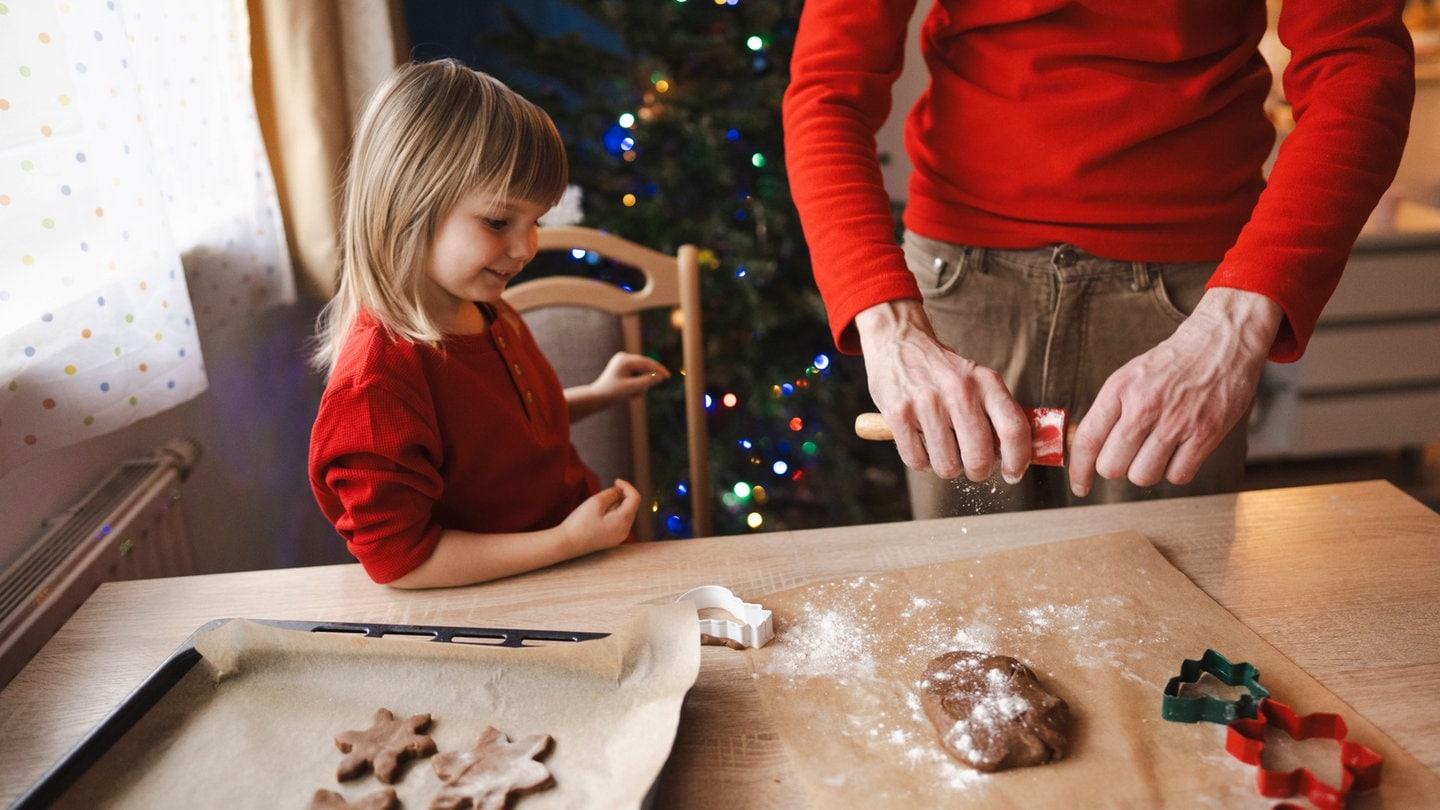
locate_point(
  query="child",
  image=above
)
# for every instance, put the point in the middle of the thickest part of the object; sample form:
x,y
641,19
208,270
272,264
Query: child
x,y
442,451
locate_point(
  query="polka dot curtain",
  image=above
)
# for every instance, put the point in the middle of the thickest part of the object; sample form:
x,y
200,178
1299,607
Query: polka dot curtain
x,y
130,159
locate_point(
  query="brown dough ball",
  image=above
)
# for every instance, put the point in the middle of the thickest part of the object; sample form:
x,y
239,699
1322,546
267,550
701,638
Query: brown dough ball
x,y
991,712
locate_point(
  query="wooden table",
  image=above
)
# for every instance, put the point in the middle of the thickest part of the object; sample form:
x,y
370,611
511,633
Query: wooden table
x,y
1344,579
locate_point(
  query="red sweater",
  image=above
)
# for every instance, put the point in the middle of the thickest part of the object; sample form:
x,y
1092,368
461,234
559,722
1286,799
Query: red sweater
x,y
409,442
1133,129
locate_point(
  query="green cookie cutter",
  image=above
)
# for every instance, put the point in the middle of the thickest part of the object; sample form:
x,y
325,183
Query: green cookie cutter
x,y
1207,708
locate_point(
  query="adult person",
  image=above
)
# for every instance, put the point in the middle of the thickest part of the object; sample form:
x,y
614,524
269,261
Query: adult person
x,y
1088,223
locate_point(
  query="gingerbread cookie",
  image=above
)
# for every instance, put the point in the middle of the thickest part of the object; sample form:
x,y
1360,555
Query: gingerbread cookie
x,y
384,746
484,777
330,800
991,712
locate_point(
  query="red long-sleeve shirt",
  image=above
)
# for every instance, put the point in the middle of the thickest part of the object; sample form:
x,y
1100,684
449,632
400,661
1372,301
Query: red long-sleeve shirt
x,y
410,441
1134,130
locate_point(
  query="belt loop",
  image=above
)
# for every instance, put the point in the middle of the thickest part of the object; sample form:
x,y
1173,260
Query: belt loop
x,y
1142,276
974,258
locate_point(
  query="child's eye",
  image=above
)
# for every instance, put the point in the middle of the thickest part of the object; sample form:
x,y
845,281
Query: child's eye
x,y
497,224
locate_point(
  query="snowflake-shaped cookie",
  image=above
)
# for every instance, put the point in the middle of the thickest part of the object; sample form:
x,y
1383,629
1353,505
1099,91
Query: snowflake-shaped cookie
x,y
485,776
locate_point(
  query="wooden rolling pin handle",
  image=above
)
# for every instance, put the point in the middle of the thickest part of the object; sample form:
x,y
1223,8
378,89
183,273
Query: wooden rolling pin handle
x,y
873,427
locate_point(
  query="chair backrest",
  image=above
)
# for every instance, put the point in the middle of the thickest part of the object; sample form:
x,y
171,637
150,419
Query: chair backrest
x,y
579,322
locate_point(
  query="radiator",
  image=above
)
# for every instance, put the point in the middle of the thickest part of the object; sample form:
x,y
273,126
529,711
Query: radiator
x,y
129,527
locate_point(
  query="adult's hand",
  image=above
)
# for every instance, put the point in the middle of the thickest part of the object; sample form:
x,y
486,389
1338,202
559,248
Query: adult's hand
x,y
1161,414
946,411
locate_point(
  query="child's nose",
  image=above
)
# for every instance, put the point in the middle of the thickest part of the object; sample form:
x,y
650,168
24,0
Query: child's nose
x,y
525,243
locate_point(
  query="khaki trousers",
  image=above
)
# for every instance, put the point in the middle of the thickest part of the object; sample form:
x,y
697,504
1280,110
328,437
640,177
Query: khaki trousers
x,y
1055,322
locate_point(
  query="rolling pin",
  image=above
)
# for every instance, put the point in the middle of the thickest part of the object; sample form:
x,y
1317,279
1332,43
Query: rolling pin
x,y
1050,433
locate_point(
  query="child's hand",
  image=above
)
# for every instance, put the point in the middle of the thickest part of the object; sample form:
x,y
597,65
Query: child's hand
x,y
625,376
604,519
628,375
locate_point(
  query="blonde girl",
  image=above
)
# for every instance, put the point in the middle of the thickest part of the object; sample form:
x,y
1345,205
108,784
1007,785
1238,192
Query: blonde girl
x,y
441,451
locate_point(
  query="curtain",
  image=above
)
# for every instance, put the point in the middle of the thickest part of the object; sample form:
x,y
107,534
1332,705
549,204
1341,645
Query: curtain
x,y
315,63
132,177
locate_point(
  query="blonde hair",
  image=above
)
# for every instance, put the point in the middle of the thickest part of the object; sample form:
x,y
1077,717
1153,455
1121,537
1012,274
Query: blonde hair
x,y
431,133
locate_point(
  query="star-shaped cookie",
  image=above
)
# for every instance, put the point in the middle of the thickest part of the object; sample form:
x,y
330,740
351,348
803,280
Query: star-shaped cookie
x,y
383,746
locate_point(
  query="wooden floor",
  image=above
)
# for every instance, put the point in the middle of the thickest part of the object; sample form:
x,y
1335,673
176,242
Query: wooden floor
x,y
1415,470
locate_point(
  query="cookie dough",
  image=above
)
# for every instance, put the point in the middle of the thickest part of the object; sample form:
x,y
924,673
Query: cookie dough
x,y
384,746
330,800
991,712
484,777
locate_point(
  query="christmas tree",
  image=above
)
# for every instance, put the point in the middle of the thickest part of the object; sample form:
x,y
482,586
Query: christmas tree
x,y
671,115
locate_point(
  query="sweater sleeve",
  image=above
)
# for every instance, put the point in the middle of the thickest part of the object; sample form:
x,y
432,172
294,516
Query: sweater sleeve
x,y
1351,83
847,57
373,472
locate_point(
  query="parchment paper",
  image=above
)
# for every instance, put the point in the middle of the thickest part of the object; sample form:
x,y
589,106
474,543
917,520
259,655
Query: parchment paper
x,y
1104,622
263,736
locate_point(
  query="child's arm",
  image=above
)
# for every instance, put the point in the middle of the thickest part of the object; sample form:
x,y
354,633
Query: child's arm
x,y
625,376
464,558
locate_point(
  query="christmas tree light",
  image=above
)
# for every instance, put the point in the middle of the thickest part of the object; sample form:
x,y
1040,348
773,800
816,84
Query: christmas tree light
x,y
671,115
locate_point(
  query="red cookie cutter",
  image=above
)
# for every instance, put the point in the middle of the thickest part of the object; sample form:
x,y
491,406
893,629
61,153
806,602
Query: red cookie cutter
x,y
1360,766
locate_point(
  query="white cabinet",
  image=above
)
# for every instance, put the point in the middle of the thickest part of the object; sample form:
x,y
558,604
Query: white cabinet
x,y
1370,378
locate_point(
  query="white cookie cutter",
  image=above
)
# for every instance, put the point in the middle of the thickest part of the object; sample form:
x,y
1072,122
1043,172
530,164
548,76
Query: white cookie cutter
x,y
757,628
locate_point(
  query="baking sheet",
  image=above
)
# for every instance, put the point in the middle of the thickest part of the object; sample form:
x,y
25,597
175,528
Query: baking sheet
x,y
1104,622
253,723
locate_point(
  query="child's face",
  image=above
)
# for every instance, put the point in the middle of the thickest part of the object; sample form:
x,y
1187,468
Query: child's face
x,y
479,245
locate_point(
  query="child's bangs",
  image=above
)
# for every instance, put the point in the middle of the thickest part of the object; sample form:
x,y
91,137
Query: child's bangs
x,y
540,171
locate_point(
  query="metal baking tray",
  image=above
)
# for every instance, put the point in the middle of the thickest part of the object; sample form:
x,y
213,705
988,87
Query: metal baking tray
x,y
89,750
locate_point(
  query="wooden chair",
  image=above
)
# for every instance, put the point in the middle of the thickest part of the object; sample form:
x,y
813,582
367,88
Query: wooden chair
x,y
580,322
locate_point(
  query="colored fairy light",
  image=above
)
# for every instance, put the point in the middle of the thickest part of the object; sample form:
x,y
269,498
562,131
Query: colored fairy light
x,y
709,402
662,86
822,361
614,139
779,467
746,443
758,493
626,120
797,423
755,43
674,523
786,389
730,400
627,143
757,160
628,200
808,448
681,489
741,490
732,134
741,272
753,520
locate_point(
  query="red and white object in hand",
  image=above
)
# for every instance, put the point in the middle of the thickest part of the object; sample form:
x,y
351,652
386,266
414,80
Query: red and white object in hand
x,y
1050,433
